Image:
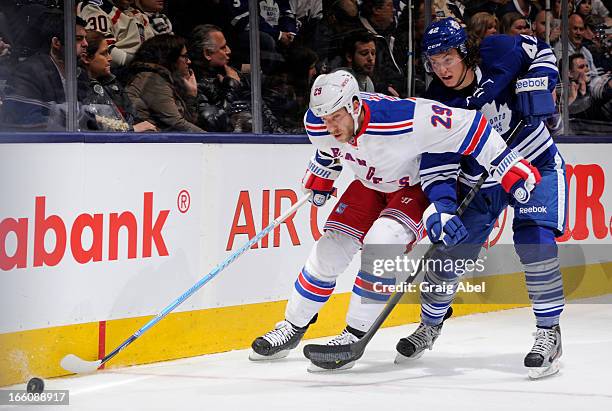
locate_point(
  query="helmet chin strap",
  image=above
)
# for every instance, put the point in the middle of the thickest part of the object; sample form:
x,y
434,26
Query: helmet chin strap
x,y
463,75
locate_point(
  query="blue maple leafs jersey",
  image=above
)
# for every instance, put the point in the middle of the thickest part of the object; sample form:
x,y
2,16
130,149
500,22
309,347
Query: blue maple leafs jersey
x,y
504,59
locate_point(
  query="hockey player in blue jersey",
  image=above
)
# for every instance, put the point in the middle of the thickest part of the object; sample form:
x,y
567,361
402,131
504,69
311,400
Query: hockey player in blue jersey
x,y
510,78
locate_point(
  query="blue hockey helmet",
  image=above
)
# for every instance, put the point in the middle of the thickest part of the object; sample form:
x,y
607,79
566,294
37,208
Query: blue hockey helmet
x,y
441,36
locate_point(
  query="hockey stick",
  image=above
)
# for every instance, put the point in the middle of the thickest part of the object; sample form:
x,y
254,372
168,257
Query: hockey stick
x,y
77,365
335,355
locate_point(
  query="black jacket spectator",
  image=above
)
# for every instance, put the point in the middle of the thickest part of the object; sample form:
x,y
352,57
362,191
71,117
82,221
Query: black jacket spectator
x,y
391,51
225,105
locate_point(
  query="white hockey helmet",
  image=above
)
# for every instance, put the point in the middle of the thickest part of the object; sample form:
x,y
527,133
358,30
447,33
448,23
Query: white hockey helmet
x,y
334,91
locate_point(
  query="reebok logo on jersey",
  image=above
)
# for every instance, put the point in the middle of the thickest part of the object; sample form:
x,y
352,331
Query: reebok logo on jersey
x,y
531,84
532,209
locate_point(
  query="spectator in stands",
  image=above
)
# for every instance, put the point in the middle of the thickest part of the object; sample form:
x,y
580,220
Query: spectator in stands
x,y
579,96
122,26
539,28
575,45
583,8
106,96
377,16
277,26
599,9
36,94
448,8
340,19
162,88
482,25
308,14
487,6
360,55
286,90
514,24
599,43
526,8
224,94
590,98
158,22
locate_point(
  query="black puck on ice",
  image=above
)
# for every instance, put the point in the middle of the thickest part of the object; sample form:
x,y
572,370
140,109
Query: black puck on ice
x,y
35,385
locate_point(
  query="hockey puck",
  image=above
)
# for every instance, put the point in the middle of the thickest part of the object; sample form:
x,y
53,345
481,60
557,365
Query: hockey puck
x,y
35,385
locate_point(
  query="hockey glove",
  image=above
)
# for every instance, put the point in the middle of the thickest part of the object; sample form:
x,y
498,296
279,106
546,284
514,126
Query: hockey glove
x,y
319,178
484,93
533,99
443,225
516,175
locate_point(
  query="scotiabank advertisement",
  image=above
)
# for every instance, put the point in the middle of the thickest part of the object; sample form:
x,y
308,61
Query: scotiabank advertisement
x,y
93,232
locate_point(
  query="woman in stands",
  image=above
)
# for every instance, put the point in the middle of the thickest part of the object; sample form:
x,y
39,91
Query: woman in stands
x,y
106,99
161,86
514,24
481,25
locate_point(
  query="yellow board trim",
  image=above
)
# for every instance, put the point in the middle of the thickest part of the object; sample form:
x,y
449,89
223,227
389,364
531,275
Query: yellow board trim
x,y
38,352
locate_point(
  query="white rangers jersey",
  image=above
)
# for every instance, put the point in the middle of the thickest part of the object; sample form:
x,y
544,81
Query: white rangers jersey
x,y
385,155
124,31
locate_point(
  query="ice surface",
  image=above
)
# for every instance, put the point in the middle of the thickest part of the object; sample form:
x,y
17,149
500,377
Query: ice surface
x,y
476,364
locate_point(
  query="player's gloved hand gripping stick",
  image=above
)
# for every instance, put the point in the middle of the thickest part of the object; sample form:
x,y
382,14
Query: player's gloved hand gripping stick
x,y
75,364
320,175
330,354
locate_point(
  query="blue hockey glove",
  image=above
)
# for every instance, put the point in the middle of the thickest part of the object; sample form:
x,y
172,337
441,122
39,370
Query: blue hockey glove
x,y
534,100
484,93
443,225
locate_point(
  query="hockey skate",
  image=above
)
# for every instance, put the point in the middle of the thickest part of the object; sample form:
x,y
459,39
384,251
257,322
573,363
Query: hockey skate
x,y
278,342
348,336
413,346
543,359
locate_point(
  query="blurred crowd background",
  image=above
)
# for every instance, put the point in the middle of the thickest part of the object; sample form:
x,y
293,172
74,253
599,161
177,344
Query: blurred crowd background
x,y
185,65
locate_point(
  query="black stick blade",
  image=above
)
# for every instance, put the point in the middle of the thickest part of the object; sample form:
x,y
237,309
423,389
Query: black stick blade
x,y
318,353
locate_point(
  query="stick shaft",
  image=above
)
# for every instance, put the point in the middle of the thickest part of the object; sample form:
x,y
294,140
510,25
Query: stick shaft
x,y
212,274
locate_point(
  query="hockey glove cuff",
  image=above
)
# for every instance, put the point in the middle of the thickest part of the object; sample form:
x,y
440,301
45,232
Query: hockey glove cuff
x,y
319,178
516,175
534,100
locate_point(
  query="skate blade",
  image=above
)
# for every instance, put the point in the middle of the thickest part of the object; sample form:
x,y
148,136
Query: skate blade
x,y
536,373
315,368
402,359
253,356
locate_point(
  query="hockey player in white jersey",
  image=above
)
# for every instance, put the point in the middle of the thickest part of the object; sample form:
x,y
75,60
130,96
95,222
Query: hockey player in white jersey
x,y
380,139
